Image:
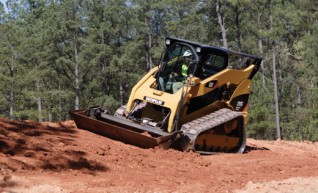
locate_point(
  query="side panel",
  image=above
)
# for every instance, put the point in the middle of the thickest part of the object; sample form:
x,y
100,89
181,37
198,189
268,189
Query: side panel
x,y
207,96
136,88
227,76
239,99
240,96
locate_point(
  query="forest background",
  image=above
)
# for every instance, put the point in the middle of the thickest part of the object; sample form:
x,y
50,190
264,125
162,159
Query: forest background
x,y
56,56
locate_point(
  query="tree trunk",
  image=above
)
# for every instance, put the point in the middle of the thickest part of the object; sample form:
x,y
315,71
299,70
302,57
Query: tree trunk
x,y
298,96
77,84
121,93
278,134
11,114
221,23
60,103
39,101
260,47
148,52
298,107
238,28
148,38
11,68
50,117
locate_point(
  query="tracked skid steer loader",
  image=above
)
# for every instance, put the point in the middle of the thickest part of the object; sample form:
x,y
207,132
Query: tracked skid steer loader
x,y
194,100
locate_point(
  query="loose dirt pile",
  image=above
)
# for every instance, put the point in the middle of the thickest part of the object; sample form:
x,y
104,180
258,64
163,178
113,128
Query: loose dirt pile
x,y
59,158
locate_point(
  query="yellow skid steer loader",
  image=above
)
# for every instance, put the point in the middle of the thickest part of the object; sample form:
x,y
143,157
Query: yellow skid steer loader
x,y
195,99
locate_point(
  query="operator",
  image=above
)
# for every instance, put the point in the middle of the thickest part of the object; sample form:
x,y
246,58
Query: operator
x,y
182,77
177,78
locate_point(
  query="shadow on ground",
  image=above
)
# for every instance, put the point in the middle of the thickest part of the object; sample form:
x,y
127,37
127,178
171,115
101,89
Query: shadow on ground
x,y
33,146
249,149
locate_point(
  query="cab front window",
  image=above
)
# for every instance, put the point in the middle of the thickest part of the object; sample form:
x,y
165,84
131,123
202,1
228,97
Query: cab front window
x,y
177,64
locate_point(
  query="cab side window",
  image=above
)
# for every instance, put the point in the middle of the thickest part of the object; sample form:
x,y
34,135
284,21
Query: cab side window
x,y
212,65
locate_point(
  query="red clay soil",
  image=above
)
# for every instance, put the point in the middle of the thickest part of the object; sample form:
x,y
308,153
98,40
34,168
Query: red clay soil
x,y
58,157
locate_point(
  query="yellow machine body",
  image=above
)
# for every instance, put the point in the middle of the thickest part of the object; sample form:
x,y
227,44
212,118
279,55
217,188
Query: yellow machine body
x,y
206,111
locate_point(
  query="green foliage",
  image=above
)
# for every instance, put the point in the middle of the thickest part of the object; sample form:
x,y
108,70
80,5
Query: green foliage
x,y
261,111
56,56
26,115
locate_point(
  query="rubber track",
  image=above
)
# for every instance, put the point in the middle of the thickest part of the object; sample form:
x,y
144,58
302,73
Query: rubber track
x,y
193,128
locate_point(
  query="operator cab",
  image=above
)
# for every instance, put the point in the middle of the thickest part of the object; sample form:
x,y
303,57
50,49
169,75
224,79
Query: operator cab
x,y
179,61
185,58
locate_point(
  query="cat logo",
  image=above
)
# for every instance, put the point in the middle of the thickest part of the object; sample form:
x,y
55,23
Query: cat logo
x,y
155,101
211,84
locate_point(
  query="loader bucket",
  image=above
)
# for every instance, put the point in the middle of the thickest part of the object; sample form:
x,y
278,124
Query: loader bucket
x,y
121,130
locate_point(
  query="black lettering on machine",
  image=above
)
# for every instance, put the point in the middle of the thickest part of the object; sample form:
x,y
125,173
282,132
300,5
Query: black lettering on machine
x,y
155,101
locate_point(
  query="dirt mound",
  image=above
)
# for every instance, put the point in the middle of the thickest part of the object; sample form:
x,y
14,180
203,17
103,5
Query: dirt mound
x,y
58,157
